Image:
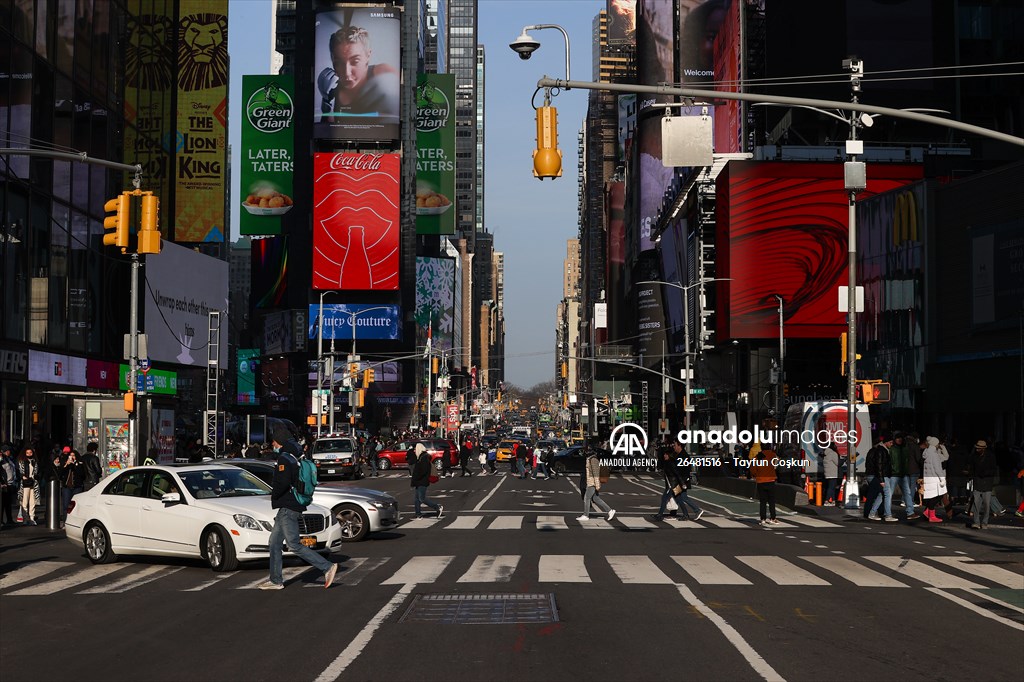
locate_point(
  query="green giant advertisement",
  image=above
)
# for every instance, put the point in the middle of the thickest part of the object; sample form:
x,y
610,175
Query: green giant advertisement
x,y
267,153
435,153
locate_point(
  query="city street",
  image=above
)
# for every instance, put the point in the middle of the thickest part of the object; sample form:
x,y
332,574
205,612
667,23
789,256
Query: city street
x,y
509,585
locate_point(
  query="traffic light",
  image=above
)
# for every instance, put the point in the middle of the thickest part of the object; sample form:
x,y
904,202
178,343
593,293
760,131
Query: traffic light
x,y
565,369
367,377
785,390
149,228
547,158
434,362
117,223
881,392
129,401
353,372
844,350
361,397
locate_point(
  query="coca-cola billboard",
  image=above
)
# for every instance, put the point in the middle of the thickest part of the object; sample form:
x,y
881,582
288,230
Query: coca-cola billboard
x,y
355,221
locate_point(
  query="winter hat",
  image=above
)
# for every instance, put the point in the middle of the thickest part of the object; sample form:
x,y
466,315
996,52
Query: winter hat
x,y
932,441
420,448
282,435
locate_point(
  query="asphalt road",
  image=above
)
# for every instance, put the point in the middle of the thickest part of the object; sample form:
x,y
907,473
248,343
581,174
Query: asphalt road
x,y
717,599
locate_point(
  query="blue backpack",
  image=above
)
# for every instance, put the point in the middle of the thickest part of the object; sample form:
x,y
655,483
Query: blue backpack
x,y
307,480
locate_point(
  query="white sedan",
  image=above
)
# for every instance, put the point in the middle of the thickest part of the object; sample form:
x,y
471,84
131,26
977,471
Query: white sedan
x,y
218,513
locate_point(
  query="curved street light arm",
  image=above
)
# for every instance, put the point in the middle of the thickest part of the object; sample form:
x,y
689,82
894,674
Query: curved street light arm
x,y
564,35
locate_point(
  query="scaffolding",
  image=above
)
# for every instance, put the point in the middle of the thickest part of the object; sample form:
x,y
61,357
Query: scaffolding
x,y
212,381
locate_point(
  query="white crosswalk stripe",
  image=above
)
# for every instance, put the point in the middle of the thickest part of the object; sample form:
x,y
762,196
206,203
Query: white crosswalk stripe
x,y
425,522
562,568
491,569
708,570
29,572
551,523
420,569
682,523
217,579
137,579
923,572
287,574
506,523
723,522
464,523
780,571
79,577
638,570
1000,576
353,571
811,521
596,522
859,575
636,523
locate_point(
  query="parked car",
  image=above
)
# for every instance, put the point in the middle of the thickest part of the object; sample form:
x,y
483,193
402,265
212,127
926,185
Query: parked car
x,y
335,455
394,455
360,511
214,512
572,460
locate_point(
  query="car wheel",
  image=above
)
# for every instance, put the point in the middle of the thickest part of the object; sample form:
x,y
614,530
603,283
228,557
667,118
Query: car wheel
x,y
383,464
438,464
219,550
97,544
559,468
355,524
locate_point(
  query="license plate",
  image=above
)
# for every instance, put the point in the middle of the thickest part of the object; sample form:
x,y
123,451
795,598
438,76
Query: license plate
x,y
330,471
309,542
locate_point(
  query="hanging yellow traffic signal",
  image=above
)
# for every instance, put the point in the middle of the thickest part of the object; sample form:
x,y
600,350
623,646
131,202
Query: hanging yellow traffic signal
x,y
434,364
117,223
149,227
844,349
360,397
547,158
367,377
129,401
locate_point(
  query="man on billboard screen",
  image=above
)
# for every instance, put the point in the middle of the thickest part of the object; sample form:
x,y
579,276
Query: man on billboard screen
x,y
358,87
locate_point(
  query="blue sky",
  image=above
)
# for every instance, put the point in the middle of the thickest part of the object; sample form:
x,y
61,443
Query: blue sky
x,y
531,220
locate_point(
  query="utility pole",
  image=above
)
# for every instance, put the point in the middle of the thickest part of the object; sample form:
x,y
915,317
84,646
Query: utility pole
x,y
780,387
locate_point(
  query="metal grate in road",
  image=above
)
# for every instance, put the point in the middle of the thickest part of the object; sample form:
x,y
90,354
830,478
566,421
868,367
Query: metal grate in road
x,y
481,609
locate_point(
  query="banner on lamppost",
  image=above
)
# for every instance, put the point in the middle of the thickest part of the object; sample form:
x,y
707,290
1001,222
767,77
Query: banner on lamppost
x,y
267,165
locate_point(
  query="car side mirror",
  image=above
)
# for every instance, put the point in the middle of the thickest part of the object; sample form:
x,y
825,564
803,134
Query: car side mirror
x,y
171,498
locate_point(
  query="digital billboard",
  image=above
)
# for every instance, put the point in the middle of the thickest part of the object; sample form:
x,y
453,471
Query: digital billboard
x,y
435,153
621,21
267,165
269,263
699,23
357,67
200,143
373,321
355,221
178,307
248,369
728,68
435,301
782,229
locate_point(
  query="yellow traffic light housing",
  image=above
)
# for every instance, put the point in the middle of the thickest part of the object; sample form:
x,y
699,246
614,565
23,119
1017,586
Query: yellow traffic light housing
x,y
129,402
117,223
844,350
367,377
361,397
149,227
547,158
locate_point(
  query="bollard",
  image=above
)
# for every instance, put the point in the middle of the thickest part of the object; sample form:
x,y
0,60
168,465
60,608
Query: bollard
x,y
817,494
53,506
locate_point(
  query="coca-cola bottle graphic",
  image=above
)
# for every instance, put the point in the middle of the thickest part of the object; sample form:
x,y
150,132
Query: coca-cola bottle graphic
x,y
355,267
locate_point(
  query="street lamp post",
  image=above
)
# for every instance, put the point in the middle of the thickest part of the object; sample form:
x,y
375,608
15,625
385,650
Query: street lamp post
x,y
686,331
780,386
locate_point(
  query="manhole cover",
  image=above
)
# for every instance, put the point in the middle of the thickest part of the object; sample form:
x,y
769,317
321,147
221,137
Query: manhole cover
x,y
481,609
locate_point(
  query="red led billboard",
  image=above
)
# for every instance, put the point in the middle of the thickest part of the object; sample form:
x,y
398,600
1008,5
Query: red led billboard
x,y
355,221
782,229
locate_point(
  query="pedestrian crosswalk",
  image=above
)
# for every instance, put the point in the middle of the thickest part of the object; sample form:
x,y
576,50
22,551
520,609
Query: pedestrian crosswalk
x,y
741,572
556,522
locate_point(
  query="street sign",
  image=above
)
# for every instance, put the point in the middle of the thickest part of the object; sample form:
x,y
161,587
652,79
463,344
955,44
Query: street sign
x,y
844,299
698,391
144,365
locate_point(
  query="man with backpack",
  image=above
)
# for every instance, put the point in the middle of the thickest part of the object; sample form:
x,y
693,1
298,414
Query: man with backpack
x,y
289,498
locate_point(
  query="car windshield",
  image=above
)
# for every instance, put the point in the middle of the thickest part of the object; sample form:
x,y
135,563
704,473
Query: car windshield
x,y
222,482
332,445
506,444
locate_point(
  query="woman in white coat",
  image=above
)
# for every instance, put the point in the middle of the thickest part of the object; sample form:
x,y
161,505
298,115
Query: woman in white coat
x,y
934,477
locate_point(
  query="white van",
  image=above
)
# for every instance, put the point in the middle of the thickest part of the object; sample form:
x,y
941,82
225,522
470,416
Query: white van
x,y
813,420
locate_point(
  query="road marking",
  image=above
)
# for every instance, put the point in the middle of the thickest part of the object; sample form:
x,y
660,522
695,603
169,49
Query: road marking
x,y
363,637
491,568
984,594
682,523
28,572
638,570
551,523
358,570
506,523
723,522
482,502
67,582
130,582
977,609
563,568
708,570
780,571
464,523
212,581
821,547
923,572
595,522
636,523
861,576
1001,576
420,569
812,522
287,574
760,666
419,523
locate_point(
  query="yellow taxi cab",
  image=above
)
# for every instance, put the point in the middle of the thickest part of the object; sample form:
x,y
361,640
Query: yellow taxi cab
x,y
504,451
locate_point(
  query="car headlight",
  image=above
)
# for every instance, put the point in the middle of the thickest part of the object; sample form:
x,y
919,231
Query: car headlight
x,y
246,521
380,505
